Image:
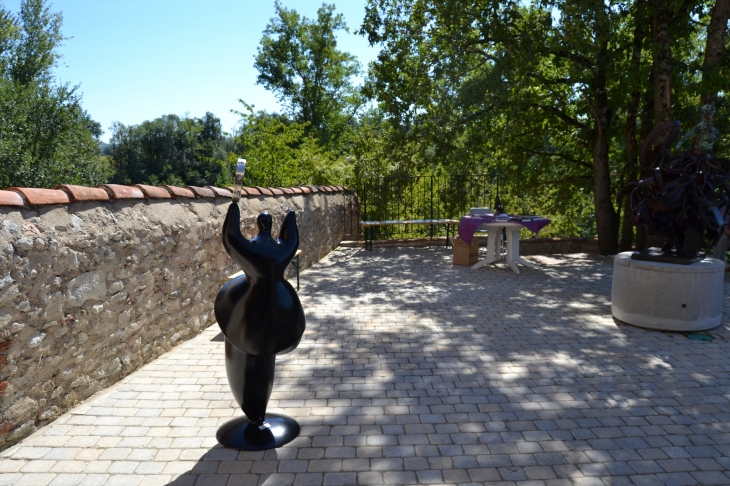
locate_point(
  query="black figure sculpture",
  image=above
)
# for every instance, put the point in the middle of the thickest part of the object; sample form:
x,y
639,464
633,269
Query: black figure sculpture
x,y
260,316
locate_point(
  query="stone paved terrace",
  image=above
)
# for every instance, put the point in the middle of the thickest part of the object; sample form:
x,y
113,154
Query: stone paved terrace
x,y
413,371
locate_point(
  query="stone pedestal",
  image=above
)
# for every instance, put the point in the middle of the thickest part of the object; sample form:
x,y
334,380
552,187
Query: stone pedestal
x,y
666,296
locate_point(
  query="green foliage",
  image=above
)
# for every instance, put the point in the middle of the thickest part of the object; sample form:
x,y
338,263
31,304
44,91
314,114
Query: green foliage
x,y
46,138
35,52
170,150
298,60
281,153
538,90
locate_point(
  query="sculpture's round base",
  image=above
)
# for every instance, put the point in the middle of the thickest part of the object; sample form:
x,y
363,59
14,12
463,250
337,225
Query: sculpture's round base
x,y
667,296
240,434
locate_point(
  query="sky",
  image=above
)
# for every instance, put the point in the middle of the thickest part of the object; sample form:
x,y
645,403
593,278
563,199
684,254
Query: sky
x,y
136,60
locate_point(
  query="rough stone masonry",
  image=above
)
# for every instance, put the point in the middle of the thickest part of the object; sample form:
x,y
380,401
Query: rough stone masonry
x,y
90,291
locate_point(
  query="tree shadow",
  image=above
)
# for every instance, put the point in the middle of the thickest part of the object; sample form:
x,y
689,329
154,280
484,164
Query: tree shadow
x,y
410,364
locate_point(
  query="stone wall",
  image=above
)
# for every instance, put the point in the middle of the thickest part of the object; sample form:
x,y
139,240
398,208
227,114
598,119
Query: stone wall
x,y
90,290
547,246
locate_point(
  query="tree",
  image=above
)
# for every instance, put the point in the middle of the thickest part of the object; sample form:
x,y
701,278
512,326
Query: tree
x,y
281,153
634,80
512,79
712,78
9,33
170,150
553,92
298,60
46,137
36,51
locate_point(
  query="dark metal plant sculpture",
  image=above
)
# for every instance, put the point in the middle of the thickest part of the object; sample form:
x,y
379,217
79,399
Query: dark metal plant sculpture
x,y
682,197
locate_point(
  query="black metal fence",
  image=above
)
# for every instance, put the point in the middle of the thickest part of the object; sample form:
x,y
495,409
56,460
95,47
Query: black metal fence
x,y
409,197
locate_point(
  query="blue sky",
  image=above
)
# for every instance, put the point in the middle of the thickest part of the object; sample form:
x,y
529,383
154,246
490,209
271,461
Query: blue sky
x,y
136,60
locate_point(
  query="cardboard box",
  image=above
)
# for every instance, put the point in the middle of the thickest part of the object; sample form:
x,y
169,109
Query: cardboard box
x,y
465,254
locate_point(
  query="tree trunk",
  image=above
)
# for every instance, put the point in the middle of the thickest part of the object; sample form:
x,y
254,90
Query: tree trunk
x,y
647,115
714,50
662,74
606,217
662,62
632,149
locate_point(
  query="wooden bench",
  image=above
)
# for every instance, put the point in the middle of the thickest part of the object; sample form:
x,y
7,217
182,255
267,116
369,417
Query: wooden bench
x,y
294,263
369,226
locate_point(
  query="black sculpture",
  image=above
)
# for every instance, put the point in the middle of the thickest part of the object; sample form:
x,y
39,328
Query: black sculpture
x,y
260,316
680,197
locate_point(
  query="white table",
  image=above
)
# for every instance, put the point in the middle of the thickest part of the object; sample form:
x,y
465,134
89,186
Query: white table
x,y
513,257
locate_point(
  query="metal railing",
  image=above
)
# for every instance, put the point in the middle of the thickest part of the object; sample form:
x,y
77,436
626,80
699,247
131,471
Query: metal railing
x,y
418,197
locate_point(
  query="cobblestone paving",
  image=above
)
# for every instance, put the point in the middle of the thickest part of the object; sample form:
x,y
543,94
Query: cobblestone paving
x,y
413,371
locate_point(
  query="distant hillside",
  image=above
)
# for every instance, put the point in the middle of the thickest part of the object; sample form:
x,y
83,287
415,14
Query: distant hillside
x,y
105,148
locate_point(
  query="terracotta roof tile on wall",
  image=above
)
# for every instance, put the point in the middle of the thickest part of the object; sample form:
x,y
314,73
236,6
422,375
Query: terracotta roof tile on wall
x,y
82,193
42,196
264,191
11,198
66,193
178,191
219,192
203,192
118,191
153,192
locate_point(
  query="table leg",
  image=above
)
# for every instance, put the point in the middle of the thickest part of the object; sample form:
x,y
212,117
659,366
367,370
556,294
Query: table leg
x,y
524,262
492,247
513,249
516,250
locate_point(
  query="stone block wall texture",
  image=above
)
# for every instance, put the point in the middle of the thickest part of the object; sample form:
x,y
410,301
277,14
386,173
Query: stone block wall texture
x,y
95,282
546,246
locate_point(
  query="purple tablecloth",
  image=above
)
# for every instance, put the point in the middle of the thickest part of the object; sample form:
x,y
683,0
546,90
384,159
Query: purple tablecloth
x,y
469,224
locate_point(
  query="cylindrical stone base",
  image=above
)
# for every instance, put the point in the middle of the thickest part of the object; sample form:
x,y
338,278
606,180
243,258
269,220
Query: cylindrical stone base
x,y
667,296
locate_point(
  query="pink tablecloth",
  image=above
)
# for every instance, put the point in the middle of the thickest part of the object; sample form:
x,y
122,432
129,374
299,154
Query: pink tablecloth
x,y
469,224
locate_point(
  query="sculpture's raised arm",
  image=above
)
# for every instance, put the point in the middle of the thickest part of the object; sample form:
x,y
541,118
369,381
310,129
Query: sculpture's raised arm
x,y
289,234
237,245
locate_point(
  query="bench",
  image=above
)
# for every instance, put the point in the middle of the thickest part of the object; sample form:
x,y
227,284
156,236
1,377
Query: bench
x,y
369,226
294,263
